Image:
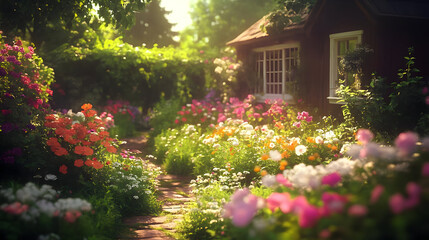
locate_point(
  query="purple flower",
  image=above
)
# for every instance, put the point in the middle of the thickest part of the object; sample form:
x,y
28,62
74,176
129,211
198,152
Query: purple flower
x,y
11,59
1,58
2,72
7,127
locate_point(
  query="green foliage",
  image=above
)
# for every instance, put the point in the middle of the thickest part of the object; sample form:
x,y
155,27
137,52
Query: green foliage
x,y
37,17
151,27
24,95
288,12
389,110
214,22
105,69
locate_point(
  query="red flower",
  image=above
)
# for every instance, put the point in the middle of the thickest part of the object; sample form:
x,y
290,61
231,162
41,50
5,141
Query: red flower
x,y
63,169
78,163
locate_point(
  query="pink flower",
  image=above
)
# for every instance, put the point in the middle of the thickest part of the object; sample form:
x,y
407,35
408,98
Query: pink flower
x,y
176,121
406,143
413,191
297,124
427,100
331,179
308,216
242,207
425,90
425,170
280,200
325,233
364,136
282,180
15,208
397,203
358,210
71,216
376,193
332,203
221,118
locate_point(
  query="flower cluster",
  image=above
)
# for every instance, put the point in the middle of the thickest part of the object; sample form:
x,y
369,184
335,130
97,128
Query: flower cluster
x,y
325,202
30,203
24,95
122,108
81,137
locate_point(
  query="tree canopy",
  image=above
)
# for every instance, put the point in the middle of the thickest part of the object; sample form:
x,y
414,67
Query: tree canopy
x,y
32,18
151,27
218,21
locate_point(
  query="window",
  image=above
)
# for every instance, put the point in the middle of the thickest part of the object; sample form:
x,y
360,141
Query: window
x,y
340,44
275,67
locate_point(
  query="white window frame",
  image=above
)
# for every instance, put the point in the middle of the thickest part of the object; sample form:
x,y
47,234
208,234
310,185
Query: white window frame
x,y
333,71
285,96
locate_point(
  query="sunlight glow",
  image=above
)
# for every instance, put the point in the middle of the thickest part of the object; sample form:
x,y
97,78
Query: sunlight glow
x,y
179,13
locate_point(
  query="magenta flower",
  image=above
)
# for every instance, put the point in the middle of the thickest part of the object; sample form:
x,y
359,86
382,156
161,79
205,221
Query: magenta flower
x,y
221,118
376,193
297,124
332,203
425,170
427,100
364,136
397,203
331,179
308,216
406,143
358,210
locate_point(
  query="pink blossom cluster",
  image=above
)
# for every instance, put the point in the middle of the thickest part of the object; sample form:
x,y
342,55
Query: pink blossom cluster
x,y
242,207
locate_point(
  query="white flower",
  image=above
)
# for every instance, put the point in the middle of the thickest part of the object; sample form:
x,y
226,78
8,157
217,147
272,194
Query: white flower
x,y
269,180
318,140
218,70
275,155
136,197
300,149
50,177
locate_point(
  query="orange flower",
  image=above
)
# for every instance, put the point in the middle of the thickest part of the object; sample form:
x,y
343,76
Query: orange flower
x,y
311,158
86,106
97,165
334,148
263,173
63,169
285,154
282,168
310,140
89,113
283,163
265,157
257,169
78,163
111,149
316,155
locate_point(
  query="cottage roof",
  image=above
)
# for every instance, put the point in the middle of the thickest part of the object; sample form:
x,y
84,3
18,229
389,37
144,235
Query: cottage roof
x,y
400,8
392,8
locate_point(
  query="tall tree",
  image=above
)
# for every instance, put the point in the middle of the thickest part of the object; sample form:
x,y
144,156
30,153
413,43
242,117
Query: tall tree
x,y
32,18
218,21
151,27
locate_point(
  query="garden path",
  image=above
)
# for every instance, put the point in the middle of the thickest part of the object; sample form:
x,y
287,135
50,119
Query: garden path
x,y
173,192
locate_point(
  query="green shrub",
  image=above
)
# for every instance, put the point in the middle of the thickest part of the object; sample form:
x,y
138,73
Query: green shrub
x,y
389,109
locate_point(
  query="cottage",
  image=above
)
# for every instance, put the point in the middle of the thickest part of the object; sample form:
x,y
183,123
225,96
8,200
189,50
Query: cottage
x,y
306,55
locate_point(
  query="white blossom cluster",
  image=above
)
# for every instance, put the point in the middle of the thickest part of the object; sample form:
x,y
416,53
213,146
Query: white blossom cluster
x,y
41,201
309,177
227,180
